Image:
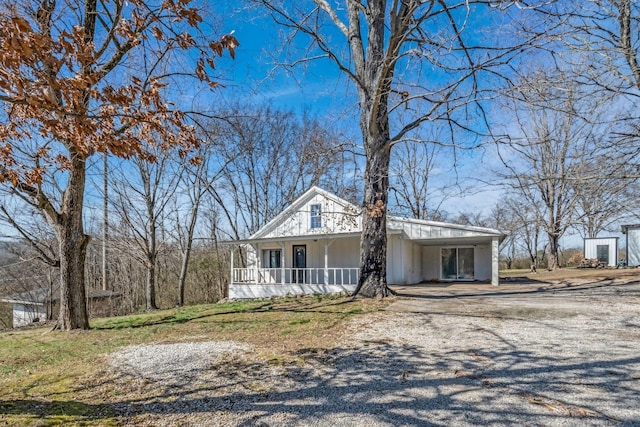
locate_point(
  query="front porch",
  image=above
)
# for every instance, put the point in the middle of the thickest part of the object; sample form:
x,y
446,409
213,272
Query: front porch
x,y
278,267
295,276
268,282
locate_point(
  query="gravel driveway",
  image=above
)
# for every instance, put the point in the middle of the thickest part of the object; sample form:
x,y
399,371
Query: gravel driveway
x,y
565,356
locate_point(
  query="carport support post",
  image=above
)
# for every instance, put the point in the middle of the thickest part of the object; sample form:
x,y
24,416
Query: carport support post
x,y
495,266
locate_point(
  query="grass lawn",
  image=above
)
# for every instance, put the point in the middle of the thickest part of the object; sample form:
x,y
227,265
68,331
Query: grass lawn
x,y
52,378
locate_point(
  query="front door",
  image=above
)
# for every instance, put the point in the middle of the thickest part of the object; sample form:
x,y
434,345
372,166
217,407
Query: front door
x,y
602,251
298,273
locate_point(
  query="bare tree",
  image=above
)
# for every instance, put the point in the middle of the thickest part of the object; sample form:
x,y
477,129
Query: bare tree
x,y
142,191
414,170
603,33
550,143
272,158
195,181
511,218
603,197
410,62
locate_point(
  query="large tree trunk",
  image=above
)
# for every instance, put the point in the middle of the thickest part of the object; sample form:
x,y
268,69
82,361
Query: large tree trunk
x,y
373,242
73,248
373,90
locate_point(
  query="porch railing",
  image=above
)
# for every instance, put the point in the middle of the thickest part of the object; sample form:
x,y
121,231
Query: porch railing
x,y
307,276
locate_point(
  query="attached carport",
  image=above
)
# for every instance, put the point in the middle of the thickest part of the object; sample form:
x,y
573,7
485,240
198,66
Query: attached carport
x,y
429,251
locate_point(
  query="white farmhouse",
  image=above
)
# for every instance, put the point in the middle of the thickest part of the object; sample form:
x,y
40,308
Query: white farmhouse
x,y
313,247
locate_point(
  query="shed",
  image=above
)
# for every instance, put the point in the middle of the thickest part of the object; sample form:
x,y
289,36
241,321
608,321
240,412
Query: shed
x,y
604,249
39,304
632,232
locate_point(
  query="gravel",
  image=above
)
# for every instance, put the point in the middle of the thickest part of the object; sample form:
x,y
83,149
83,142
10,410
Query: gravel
x,y
560,358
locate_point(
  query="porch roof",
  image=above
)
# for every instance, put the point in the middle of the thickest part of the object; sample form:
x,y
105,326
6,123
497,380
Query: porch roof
x,y
307,237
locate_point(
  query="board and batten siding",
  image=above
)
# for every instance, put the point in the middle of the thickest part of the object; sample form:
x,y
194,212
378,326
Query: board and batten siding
x,y
336,218
591,248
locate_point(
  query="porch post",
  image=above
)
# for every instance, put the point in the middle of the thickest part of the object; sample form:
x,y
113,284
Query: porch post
x,y
495,266
282,258
326,263
258,262
233,249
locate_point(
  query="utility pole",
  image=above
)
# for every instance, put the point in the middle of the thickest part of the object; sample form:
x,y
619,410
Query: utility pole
x,y
105,217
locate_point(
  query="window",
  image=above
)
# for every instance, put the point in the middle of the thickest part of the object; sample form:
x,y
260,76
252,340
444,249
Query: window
x,y
316,219
271,258
457,263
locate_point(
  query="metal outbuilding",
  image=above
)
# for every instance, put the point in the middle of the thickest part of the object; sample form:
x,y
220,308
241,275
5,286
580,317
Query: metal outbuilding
x,y
632,232
604,249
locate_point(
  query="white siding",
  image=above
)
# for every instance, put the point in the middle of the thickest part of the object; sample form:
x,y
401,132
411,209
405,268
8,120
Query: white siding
x,y
633,247
24,315
482,262
344,253
431,263
251,257
421,230
591,248
395,260
407,261
268,291
336,218
414,274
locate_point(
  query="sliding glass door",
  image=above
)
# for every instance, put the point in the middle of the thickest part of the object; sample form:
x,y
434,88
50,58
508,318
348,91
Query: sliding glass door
x,y
457,264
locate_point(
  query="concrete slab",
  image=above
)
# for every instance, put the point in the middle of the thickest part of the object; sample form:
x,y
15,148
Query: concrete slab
x,y
423,297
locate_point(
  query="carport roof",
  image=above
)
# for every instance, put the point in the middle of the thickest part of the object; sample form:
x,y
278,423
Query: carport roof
x,y
439,233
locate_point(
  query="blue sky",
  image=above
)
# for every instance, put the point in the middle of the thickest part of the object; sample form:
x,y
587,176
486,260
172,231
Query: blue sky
x,y
316,87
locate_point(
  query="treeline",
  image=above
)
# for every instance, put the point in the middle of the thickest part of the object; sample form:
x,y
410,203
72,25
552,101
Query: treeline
x,y
157,226
164,223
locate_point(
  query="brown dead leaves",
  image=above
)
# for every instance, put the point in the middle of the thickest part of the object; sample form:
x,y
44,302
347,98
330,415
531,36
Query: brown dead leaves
x,y
377,209
60,84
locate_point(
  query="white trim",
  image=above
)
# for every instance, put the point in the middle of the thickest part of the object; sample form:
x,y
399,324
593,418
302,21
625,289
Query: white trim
x,y
267,291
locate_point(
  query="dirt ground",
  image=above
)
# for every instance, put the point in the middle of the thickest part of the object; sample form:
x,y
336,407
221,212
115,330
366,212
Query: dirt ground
x,y
574,273
554,348
562,352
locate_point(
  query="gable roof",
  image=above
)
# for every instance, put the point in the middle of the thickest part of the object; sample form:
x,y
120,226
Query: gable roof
x,y
295,206
414,229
